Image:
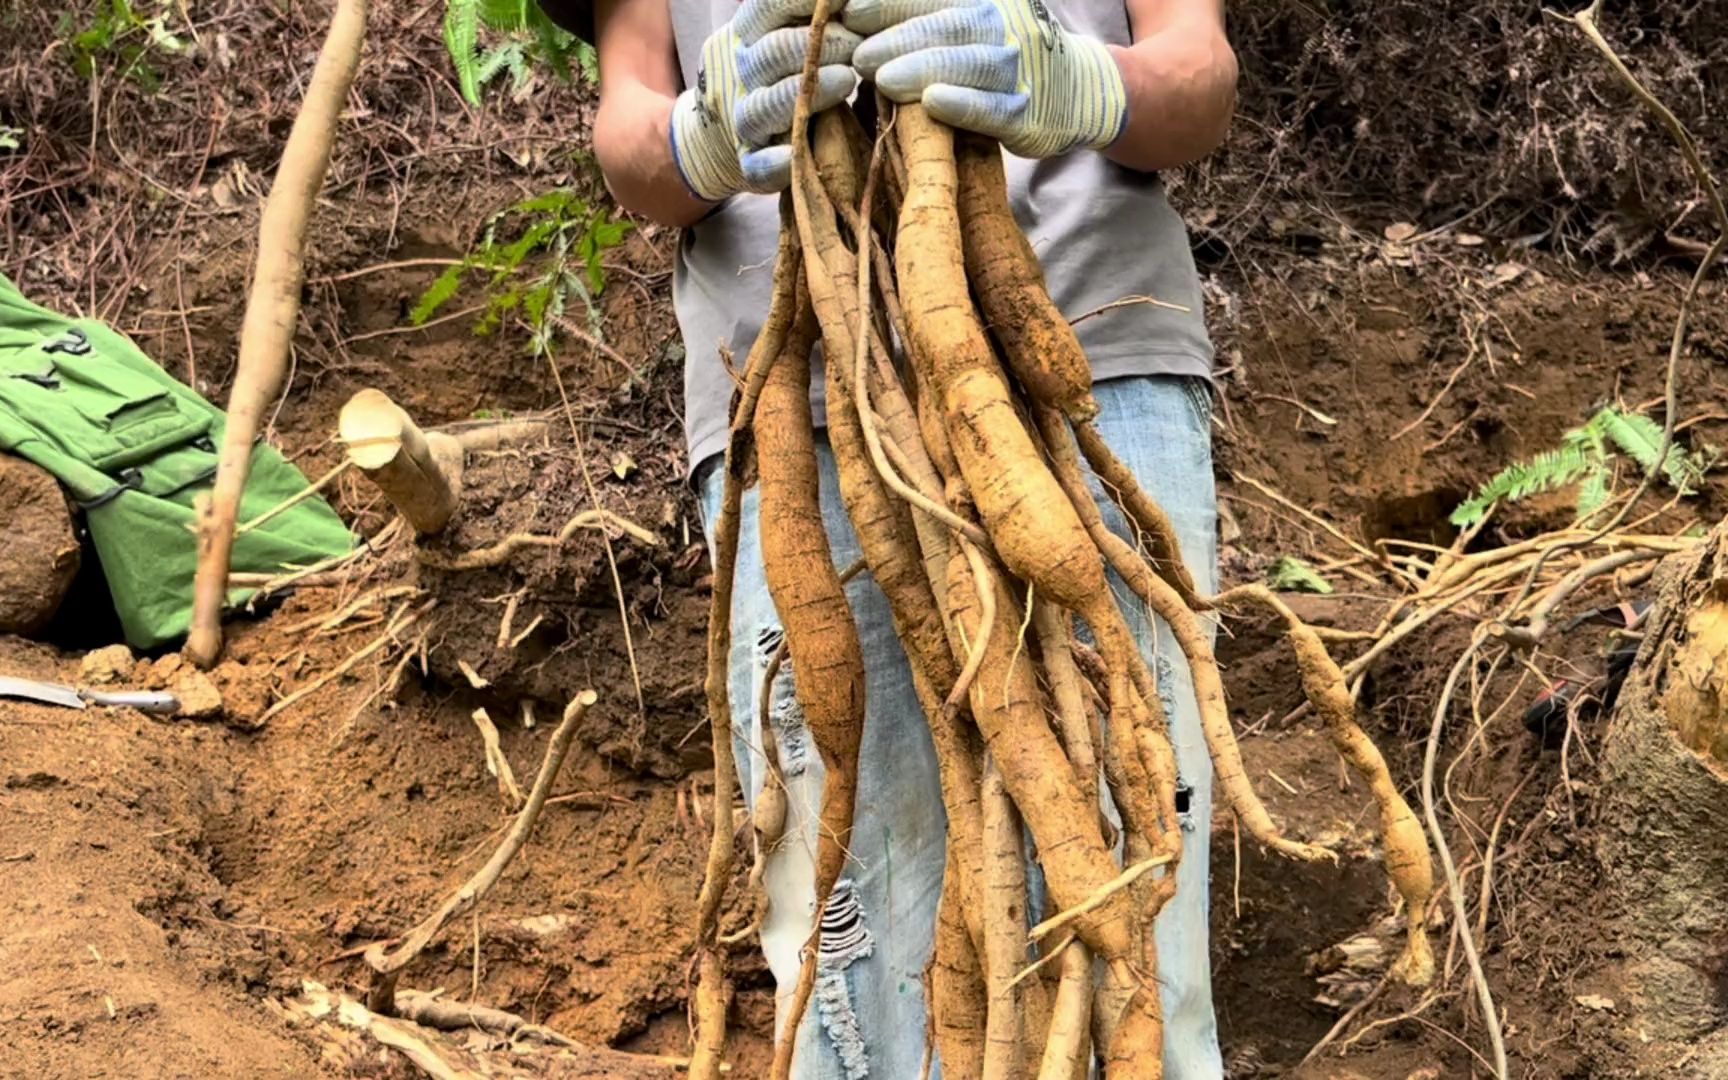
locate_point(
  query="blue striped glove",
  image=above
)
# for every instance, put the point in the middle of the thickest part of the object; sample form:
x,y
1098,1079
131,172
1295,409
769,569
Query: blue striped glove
x,y
1002,68
728,131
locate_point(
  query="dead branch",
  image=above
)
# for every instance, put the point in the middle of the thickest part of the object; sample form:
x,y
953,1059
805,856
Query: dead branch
x,y
381,997
499,553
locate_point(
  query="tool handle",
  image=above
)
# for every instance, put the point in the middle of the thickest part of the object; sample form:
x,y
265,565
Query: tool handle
x,y
150,701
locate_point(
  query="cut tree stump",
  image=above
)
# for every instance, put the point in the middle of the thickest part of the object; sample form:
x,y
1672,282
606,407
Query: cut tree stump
x,y
1663,836
41,554
419,472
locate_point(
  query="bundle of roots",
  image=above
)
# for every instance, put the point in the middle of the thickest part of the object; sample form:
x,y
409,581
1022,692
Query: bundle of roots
x,y
960,416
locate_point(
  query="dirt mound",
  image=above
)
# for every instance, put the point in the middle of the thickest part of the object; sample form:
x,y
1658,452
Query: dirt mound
x,y
42,553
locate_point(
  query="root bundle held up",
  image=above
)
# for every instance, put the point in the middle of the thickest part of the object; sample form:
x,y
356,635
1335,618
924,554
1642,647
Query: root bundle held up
x,y
960,413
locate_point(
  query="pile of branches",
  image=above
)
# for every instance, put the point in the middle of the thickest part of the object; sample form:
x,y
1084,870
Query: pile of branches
x,y
1405,107
961,471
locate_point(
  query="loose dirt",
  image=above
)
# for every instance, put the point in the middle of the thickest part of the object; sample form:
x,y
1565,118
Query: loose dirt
x,y
165,886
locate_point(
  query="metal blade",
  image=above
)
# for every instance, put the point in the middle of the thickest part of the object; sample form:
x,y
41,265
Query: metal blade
x,y
33,690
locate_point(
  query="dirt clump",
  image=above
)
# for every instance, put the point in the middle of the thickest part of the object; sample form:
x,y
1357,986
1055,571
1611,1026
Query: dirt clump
x,y
41,555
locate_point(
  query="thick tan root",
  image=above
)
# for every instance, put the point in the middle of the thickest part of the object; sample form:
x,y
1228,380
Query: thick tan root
x,y
1409,863
1037,342
713,994
1010,712
1167,604
420,473
1067,1049
827,660
1004,929
1054,644
958,999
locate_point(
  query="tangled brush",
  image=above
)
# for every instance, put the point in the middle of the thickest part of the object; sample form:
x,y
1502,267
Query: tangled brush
x,y
959,454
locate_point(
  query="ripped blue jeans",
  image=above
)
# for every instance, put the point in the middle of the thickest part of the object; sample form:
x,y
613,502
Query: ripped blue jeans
x,y
867,1015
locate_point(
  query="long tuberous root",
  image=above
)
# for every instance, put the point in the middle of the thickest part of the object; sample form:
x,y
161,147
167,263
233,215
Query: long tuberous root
x,y
960,419
1408,861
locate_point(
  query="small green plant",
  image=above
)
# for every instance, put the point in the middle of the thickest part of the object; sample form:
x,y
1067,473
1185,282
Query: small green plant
x,y
1585,457
529,38
9,137
120,33
1290,574
538,254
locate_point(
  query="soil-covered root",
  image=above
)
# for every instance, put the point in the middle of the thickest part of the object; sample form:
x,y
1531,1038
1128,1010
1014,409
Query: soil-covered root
x,y
1037,342
1067,1048
1004,902
1009,710
713,993
821,636
1166,603
958,998
1408,861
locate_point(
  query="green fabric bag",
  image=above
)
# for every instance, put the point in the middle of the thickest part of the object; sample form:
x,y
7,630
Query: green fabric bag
x,y
134,447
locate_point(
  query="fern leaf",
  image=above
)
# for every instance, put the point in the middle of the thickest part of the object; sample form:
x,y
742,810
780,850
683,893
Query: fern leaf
x,y
556,43
588,61
1640,438
462,39
437,294
504,56
1546,471
1593,491
506,15
1290,574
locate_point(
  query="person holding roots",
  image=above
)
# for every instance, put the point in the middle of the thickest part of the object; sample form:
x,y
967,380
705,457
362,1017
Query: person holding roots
x,y
1089,99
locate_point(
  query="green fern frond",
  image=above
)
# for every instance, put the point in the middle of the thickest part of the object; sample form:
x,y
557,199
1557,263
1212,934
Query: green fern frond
x,y
588,61
1593,491
437,294
1640,438
462,39
1584,455
1546,471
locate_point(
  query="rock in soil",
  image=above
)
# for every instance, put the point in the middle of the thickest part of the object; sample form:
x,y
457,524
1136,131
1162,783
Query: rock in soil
x,y
106,665
41,554
199,699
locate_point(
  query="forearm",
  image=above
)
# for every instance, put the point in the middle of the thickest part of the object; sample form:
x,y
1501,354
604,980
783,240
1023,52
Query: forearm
x,y
633,145
1181,87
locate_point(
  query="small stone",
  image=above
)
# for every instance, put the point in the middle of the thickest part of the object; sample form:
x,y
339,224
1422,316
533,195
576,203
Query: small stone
x,y
109,664
198,696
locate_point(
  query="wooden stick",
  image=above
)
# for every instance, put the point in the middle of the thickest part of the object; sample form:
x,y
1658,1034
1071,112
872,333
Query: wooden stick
x,y
272,310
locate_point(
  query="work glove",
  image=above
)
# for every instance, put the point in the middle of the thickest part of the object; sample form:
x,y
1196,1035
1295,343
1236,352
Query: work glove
x,y
728,131
1003,68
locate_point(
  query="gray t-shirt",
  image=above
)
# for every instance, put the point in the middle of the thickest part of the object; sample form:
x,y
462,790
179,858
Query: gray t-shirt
x,y
1102,233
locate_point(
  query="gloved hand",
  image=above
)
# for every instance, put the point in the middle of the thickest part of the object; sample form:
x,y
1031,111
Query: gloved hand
x,y
1002,68
728,129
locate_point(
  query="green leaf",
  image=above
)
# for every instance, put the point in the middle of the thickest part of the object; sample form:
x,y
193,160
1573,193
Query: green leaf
x,y
1640,438
1546,471
437,294
462,39
556,201
589,62
1290,574
1593,491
